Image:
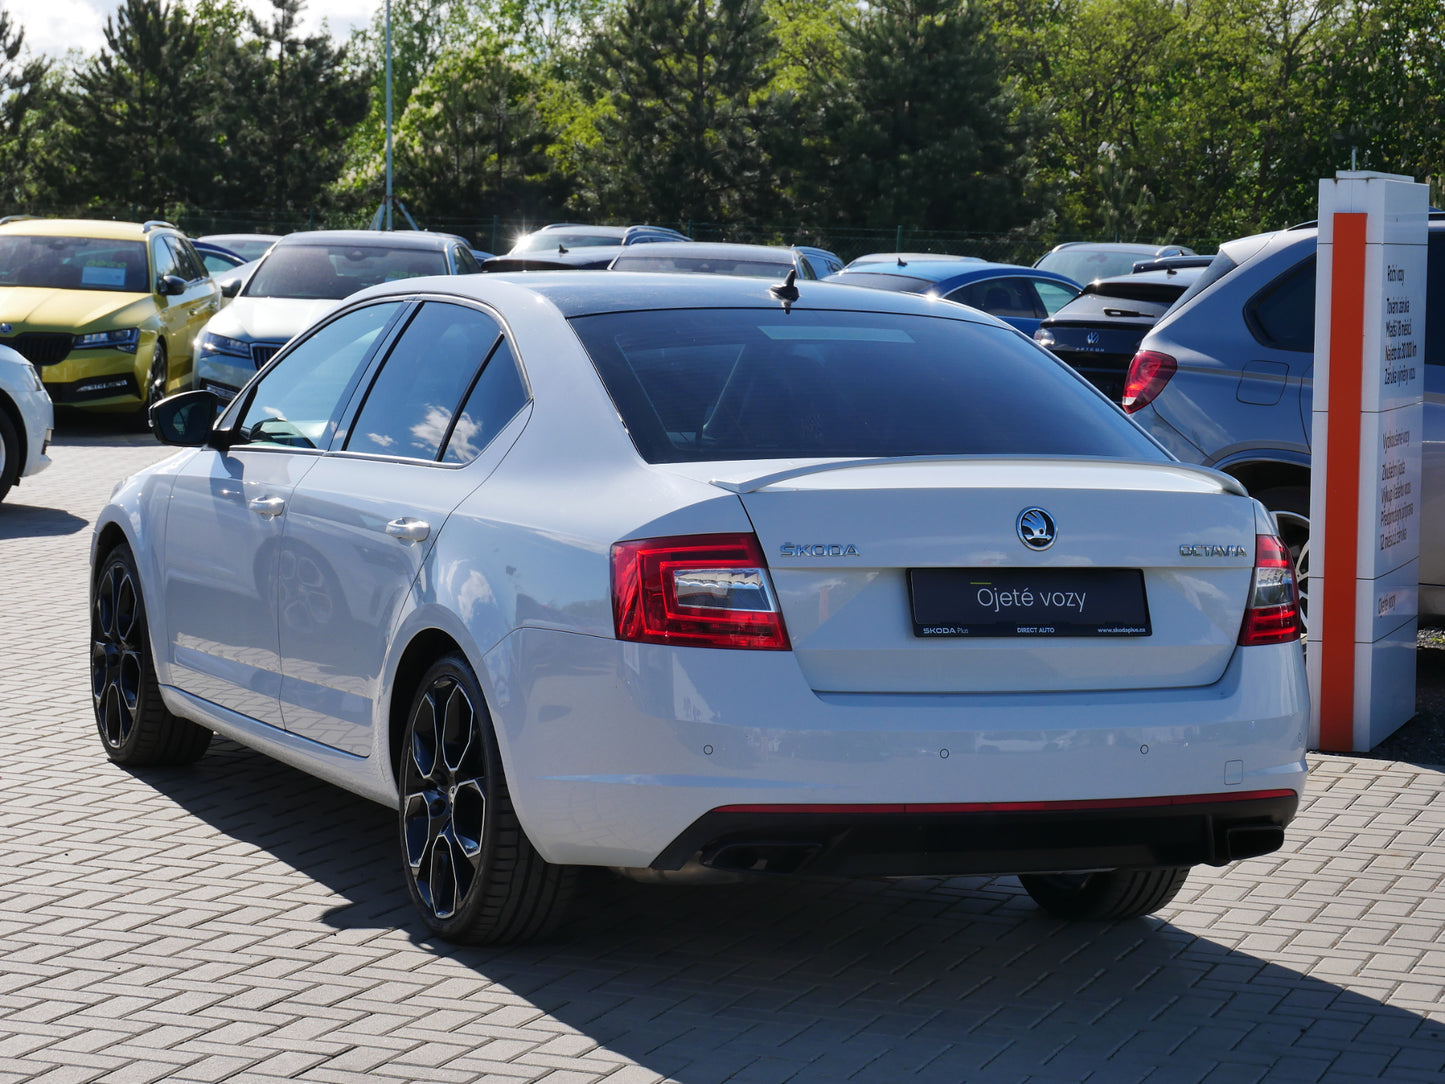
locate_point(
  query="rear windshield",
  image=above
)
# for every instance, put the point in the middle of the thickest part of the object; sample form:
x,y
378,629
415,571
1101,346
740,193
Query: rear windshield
x,y
718,384
902,284
548,242
704,265
74,263
318,272
1220,266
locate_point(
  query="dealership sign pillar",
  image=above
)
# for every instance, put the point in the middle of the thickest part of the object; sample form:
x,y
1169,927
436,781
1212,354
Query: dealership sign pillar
x,y
1365,506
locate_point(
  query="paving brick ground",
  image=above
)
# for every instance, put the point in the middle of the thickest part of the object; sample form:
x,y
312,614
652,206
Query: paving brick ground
x,y
237,921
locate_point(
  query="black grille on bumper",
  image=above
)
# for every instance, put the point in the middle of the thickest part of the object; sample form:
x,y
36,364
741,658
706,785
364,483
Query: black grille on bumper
x,y
261,353
40,348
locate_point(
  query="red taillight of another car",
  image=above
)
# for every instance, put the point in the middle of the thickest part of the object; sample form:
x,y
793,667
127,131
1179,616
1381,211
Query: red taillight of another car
x,y
709,590
1272,615
1148,373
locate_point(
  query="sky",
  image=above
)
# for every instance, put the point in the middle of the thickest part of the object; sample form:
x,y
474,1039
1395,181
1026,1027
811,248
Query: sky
x,y
52,27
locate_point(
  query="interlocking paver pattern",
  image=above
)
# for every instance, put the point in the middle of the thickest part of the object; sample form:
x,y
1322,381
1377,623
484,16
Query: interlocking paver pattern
x,y
238,921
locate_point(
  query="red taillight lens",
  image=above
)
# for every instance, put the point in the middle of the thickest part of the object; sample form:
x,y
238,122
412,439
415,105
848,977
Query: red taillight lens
x,y
707,590
1148,373
1272,616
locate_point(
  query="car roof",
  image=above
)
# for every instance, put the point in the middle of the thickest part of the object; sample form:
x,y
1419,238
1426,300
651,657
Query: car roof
x,y
418,239
101,229
909,257
582,293
1115,246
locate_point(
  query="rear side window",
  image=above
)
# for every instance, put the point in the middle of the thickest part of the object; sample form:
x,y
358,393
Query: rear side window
x,y
409,410
719,384
493,401
1282,315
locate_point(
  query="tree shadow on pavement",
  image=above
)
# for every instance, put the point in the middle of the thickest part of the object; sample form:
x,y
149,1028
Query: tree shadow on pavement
x,y
820,980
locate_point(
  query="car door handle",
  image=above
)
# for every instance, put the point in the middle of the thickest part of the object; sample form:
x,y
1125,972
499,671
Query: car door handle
x,y
200,309
267,506
409,530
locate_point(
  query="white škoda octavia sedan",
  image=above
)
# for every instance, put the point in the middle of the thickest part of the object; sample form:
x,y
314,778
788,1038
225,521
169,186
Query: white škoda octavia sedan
x,y
660,573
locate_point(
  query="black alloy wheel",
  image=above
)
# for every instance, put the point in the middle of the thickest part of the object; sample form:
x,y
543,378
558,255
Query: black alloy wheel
x,y
134,724
1108,894
9,454
160,375
471,871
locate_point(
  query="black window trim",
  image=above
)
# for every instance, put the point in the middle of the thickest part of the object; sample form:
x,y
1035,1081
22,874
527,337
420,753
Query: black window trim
x,y
372,369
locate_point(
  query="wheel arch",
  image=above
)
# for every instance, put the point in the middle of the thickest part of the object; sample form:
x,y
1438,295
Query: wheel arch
x,y
108,535
12,412
425,647
1259,475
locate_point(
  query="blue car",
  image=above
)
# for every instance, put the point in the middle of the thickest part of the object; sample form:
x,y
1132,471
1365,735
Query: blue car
x,y
1021,296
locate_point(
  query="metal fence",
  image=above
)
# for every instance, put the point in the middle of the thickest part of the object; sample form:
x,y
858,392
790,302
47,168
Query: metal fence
x,y
497,234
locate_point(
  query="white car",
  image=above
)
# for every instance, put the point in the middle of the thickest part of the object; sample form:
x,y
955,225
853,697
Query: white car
x,y
27,420
297,280
687,575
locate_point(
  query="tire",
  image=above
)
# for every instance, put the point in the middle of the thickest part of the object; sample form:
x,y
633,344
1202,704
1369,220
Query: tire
x,y
134,725
159,377
472,873
9,454
1111,894
1290,506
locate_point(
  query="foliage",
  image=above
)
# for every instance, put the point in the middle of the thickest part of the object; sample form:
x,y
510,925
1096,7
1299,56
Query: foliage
x,y
688,94
22,94
1129,119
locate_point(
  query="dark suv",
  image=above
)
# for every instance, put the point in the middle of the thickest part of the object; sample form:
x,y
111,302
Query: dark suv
x,y
1224,379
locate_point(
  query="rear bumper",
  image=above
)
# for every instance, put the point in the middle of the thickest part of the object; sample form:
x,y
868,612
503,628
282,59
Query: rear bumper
x,y
615,752
1055,837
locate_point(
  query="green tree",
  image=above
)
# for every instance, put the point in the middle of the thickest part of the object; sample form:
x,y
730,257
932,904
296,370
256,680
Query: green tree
x,y
303,104
135,115
687,96
22,91
918,127
471,142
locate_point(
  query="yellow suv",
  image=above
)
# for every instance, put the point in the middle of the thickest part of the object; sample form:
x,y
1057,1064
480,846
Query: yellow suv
x,y
107,312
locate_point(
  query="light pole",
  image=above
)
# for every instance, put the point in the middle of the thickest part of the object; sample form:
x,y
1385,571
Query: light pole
x,y
388,114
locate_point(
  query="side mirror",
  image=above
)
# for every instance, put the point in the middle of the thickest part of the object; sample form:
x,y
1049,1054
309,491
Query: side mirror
x,y
230,288
186,419
171,285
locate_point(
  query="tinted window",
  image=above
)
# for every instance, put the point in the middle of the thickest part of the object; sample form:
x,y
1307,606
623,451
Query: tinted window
x,y
465,261
720,384
498,395
189,263
74,263
297,402
1282,315
409,409
705,265
334,271
1001,297
903,284
165,258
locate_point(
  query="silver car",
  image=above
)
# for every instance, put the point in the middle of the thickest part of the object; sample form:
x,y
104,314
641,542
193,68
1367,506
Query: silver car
x,y
1224,379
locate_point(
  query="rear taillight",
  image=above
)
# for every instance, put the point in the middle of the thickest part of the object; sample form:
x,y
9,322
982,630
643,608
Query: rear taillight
x,y
1148,373
708,590
1272,615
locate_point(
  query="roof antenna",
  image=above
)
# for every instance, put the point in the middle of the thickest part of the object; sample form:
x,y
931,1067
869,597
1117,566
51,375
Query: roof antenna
x,y
561,249
785,291
902,262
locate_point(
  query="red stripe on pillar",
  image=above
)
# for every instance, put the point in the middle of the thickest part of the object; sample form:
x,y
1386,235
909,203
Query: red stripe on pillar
x,y
1342,466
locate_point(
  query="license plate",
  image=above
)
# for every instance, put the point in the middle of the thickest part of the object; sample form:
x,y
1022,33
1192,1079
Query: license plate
x,y
1028,602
